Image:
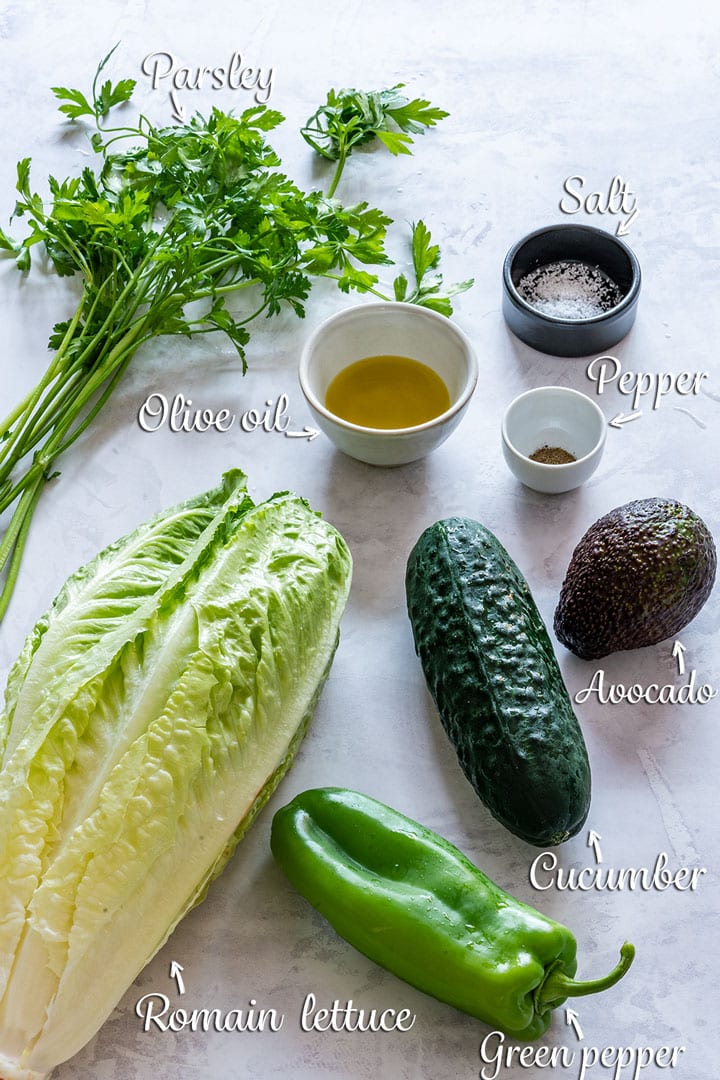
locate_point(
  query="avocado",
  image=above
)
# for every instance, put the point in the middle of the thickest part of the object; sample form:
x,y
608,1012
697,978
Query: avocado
x,y
638,576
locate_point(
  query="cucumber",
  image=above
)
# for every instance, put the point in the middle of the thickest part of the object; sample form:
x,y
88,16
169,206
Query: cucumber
x,y
492,672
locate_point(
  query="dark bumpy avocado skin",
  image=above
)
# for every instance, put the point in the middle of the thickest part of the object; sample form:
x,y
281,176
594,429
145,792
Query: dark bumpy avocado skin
x,y
493,675
638,576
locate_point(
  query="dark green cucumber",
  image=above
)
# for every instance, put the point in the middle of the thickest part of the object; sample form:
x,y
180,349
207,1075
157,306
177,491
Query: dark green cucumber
x,y
491,669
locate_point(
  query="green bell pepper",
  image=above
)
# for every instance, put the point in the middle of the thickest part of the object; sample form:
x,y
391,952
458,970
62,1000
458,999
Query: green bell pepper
x,y
414,904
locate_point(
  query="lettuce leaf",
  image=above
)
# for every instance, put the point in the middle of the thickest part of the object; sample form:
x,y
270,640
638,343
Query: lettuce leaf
x,y
152,712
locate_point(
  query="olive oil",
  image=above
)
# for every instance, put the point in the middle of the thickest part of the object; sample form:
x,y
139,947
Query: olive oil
x,y
387,392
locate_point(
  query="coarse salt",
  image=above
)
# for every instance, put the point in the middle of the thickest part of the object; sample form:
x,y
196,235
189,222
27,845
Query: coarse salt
x,y
569,289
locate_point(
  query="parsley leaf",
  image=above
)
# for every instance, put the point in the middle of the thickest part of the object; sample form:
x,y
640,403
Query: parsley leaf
x,y
76,104
429,291
351,118
110,95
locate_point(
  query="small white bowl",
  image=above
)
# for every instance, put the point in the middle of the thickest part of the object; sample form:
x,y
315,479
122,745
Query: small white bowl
x,y
392,329
553,416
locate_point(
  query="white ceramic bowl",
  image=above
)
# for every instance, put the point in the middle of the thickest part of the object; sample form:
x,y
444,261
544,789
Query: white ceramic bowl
x,y
553,416
391,329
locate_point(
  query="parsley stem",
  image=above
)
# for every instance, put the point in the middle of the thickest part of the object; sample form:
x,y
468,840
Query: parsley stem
x,y
25,406
27,480
58,397
17,531
337,174
92,413
62,436
28,403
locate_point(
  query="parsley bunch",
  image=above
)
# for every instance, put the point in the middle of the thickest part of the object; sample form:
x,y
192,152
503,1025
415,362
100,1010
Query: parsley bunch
x,y
173,221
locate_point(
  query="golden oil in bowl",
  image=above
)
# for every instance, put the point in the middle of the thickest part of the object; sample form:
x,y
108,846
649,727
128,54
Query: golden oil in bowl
x,y
387,392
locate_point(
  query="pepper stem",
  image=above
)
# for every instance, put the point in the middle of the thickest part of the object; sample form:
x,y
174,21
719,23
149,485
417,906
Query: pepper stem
x,y
557,985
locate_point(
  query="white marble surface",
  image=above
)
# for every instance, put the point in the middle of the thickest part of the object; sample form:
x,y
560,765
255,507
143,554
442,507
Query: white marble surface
x,y
536,92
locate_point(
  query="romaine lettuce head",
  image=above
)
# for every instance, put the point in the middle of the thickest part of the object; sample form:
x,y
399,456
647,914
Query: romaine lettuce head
x,y
151,714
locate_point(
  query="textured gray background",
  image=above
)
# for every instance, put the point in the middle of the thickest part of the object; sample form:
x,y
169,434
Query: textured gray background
x,y
536,92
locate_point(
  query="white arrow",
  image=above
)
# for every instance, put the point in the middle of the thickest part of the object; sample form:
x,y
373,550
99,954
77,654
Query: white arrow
x,y
678,654
593,841
624,226
178,109
571,1018
620,419
306,433
176,973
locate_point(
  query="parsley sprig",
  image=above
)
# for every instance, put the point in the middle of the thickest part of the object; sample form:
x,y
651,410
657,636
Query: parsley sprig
x,y
351,118
429,290
172,222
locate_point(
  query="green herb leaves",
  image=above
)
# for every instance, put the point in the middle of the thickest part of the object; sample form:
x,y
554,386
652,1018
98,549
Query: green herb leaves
x,y
429,290
171,223
104,97
350,118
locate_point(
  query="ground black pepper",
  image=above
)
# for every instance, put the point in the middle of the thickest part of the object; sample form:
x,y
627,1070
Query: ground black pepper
x,y
552,455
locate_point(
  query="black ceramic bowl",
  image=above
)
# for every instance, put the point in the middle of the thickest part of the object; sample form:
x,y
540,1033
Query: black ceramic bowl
x,y
566,336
